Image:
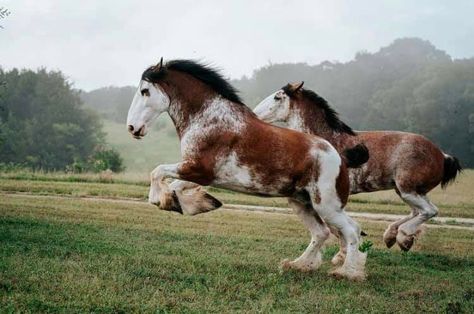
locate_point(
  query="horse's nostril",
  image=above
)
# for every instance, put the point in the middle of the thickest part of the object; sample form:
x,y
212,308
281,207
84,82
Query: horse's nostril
x,y
130,128
138,132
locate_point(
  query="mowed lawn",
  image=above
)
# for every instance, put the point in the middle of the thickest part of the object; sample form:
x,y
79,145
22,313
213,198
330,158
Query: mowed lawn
x,y
81,255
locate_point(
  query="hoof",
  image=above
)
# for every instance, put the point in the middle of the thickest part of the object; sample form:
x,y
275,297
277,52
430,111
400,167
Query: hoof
x,y
170,202
302,266
390,236
404,241
338,259
353,268
285,265
156,203
342,273
154,197
197,201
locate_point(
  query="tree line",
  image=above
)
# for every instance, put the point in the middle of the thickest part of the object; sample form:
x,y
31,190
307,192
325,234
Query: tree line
x,y
408,86
43,125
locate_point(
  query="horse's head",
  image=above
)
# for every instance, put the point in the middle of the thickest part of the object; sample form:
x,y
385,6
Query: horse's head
x,y
276,107
148,103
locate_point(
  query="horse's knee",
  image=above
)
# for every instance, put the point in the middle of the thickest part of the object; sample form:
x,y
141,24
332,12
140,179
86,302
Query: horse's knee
x,y
324,234
157,173
430,211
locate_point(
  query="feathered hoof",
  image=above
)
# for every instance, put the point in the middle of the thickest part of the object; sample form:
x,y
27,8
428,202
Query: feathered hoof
x,y
196,201
354,271
304,267
338,259
390,237
404,241
170,202
342,273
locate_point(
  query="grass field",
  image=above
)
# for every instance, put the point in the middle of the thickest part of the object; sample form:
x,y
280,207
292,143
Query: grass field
x,y
61,252
78,255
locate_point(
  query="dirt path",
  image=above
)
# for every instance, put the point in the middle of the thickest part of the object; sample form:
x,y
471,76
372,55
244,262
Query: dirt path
x,y
437,222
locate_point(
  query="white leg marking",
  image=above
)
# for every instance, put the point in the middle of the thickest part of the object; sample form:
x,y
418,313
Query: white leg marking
x,y
159,190
311,257
330,210
408,231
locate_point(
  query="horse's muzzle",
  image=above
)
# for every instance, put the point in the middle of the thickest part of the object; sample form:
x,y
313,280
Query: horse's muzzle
x,y
139,133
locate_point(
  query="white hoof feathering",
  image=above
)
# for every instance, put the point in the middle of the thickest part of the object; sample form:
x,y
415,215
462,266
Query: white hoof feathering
x,y
354,270
338,259
196,201
302,265
154,196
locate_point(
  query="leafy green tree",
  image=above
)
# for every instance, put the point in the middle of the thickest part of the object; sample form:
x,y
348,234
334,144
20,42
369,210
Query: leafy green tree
x,y
42,121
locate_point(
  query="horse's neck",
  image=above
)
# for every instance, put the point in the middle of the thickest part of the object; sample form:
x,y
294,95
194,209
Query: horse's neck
x,y
313,122
215,112
309,122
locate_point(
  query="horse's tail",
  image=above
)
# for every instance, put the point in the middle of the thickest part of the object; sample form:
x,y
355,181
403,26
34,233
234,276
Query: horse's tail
x,y
451,169
356,156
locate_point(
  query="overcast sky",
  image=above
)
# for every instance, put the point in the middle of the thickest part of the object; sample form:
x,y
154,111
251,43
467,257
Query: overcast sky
x,y
110,42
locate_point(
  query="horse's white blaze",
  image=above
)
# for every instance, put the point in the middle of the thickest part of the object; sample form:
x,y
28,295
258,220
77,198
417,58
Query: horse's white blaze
x,y
217,115
145,108
274,108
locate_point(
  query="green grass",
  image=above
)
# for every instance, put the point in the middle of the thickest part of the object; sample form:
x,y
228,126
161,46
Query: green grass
x,y
73,255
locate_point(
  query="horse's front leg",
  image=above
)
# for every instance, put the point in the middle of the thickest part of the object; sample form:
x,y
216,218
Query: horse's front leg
x,y
181,195
160,193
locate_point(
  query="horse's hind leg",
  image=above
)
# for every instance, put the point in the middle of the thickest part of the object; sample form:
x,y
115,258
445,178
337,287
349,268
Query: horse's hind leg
x,y
330,210
390,234
311,257
408,231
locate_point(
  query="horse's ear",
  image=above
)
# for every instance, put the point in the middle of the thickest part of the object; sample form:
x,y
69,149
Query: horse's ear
x,y
294,87
159,65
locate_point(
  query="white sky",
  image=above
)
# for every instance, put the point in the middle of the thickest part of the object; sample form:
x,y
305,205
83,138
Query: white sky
x,y
101,43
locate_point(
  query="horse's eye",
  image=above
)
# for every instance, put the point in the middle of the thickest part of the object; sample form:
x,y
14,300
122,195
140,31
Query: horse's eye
x,y
145,92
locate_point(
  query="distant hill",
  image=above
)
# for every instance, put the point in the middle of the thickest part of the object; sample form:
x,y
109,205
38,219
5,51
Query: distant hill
x,y
111,103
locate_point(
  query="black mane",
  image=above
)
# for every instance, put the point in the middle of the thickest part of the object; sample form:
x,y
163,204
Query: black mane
x,y
204,73
330,115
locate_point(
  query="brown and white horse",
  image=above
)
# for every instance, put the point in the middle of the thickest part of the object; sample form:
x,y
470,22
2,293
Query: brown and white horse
x,y
224,144
406,162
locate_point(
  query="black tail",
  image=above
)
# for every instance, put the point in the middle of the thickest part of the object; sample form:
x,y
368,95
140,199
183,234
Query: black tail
x,y
451,169
356,156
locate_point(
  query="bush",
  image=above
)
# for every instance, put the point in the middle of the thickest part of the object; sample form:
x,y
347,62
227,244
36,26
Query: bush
x,y
106,159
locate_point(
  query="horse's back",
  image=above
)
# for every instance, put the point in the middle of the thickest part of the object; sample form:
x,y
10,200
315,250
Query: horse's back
x,y
407,160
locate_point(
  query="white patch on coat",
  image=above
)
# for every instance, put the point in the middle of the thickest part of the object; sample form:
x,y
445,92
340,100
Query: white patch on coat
x,y
229,173
330,163
296,122
217,115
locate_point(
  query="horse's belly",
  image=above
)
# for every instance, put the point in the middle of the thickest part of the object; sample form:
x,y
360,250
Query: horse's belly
x,y
364,180
232,175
